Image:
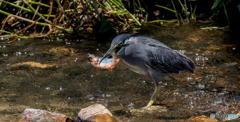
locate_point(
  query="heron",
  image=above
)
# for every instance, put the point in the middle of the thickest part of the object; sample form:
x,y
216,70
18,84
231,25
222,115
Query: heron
x,y
148,56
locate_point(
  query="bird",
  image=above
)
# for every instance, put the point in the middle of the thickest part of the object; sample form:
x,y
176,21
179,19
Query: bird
x,y
150,57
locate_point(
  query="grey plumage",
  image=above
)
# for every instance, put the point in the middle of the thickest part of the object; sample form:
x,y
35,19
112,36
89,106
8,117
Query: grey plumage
x,y
149,53
148,56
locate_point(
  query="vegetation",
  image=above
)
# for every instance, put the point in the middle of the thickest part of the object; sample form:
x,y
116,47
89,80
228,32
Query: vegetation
x,y
67,16
38,18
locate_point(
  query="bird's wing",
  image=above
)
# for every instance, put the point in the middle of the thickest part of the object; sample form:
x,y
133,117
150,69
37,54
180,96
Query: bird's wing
x,y
146,41
155,55
166,60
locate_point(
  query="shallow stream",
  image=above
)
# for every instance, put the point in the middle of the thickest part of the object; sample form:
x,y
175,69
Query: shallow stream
x,y
55,75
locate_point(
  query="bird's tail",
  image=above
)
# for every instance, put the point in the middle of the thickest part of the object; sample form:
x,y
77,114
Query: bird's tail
x,y
189,65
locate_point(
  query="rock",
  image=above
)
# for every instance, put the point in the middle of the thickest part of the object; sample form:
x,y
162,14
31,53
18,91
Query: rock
x,y
37,115
61,51
220,82
201,119
96,113
33,64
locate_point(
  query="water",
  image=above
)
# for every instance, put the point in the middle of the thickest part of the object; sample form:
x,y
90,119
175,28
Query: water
x,y
56,76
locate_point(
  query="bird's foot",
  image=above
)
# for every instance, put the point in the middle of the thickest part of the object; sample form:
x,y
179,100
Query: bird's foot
x,y
150,103
152,109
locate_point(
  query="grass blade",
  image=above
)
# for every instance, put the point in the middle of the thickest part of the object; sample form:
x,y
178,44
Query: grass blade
x,y
166,8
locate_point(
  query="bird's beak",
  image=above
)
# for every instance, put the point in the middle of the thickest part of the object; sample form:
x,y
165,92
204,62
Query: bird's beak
x,y
106,54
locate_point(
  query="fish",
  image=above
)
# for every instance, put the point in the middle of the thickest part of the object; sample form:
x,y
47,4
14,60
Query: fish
x,y
107,63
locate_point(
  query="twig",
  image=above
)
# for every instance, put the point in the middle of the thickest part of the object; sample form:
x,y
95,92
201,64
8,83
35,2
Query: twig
x,y
176,14
40,15
44,35
49,13
38,3
9,16
22,18
4,22
61,14
17,6
23,8
26,28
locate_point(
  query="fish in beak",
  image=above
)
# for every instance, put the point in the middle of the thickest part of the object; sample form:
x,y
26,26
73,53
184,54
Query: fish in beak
x,y
107,54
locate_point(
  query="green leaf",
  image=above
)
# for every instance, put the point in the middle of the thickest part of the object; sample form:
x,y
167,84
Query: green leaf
x,y
120,12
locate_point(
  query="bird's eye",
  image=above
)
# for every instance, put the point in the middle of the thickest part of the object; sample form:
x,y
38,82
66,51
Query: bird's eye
x,y
121,44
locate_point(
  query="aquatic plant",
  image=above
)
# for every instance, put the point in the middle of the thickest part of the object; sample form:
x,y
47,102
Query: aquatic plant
x,y
185,10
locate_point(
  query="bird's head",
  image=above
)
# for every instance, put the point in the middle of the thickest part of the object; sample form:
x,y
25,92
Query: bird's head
x,y
116,45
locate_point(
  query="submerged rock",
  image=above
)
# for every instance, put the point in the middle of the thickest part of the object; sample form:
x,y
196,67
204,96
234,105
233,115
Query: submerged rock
x,y
32,64
93,113
38,115
60,51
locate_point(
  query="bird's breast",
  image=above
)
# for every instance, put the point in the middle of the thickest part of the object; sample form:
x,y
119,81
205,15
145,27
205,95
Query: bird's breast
x,y
135,68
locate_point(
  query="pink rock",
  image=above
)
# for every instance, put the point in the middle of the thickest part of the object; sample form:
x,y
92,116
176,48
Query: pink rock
x,y
38,115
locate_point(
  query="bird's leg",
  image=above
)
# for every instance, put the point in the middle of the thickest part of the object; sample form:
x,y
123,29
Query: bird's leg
x,y
153,97
155,77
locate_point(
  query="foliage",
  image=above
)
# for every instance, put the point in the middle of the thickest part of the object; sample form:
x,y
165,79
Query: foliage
x,y
184,10
38,18
23,16
81,18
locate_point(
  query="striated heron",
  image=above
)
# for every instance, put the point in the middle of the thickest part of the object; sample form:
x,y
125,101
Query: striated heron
x,y
148,56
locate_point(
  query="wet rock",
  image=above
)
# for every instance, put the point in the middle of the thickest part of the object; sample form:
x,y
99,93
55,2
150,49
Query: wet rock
x,y
32,64
61,51
96,113
214,47
37,115
149,110
201,119
220,83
